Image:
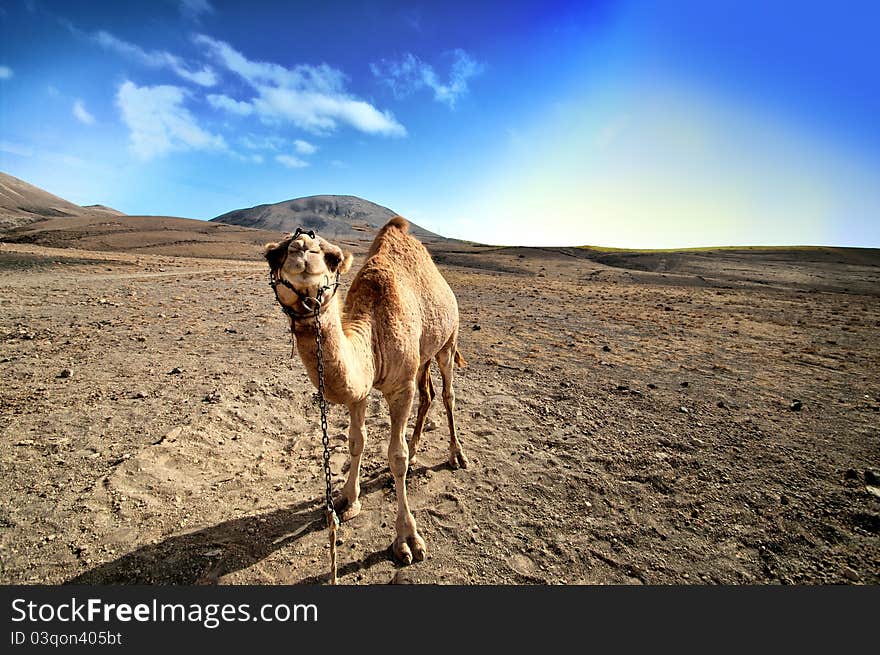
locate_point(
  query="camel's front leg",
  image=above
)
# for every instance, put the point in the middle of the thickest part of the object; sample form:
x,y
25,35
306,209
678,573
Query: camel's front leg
x,y
349,505
408,545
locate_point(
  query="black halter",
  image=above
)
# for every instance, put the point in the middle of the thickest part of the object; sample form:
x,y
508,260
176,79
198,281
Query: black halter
x,y
314,304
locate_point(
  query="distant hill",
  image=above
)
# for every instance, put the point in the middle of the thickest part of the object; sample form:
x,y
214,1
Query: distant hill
x,y
334,217
104,209
22,203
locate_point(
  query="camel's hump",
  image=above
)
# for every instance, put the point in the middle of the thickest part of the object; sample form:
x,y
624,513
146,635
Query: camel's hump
x,y
398,222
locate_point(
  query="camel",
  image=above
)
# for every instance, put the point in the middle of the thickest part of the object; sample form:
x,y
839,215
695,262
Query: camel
x,y
399,315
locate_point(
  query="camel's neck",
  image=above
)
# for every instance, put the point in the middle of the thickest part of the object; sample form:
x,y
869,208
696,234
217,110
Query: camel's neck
x,y
347,355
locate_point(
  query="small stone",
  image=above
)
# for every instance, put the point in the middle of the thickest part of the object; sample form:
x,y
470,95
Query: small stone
x,y
721,404
685,384
230,330
476,328
796,406
651,385
175,371
872,477
65,373
851,574
851,474
622,387
684,410
139,394
606,349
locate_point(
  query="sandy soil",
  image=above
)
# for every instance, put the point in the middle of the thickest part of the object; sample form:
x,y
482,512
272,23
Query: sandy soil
x,y
623,426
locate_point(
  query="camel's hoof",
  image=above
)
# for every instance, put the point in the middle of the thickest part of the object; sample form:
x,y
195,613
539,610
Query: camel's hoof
x,y
345,510
409,549
458,460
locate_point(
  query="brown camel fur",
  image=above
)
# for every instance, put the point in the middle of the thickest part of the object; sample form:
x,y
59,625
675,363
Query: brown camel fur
x,y
399,314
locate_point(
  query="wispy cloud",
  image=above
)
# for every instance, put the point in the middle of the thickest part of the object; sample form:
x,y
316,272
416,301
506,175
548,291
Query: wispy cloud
x,y
290,161
313,98
304,147
18,149
410,74
159,123
81,113
194,9
203,76
233,106
5,73
253,142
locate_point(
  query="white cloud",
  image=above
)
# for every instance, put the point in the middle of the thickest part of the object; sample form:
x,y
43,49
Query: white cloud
x,y
220,101
253,142
304,147
5,72
204,76
159,123
313,98
82,114
291,161
410,74
195,8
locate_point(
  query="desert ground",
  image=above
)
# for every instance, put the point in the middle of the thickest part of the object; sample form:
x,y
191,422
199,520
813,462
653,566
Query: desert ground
x,y
704,417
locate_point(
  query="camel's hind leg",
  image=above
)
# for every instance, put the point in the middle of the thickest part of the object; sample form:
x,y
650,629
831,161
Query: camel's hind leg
x,y
446,360
408,545
426,396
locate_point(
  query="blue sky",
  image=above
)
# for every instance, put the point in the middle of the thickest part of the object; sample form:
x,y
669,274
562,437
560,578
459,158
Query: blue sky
x,y
633,124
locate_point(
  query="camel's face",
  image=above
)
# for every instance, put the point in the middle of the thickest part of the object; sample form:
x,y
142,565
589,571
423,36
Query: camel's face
x,y
307,262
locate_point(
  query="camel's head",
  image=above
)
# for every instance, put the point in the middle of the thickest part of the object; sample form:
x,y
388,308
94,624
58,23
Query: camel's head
x,y
307,262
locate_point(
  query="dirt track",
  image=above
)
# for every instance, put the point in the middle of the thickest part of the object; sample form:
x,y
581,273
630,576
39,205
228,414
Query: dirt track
x,y
621,427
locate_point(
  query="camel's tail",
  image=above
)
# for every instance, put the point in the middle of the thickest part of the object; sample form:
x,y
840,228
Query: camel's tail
x,y
459,360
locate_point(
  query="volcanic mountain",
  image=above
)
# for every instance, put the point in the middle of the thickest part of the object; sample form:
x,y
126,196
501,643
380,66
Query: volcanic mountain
x,y
334,217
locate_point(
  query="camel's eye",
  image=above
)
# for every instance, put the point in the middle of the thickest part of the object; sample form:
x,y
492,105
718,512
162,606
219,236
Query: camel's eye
x,y
311,234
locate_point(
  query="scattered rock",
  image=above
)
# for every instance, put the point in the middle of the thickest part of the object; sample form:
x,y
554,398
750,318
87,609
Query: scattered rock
x,y
684,410
622,387
212,397
175,371
872,477
796,406
685,384
476,328
606,349
139,394
851,574
65,373
402,577
651,385
851,474
171,435
721,404
230,330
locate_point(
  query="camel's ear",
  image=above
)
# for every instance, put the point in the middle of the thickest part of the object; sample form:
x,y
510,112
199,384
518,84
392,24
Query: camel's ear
x,y
336,260
347,259
275,254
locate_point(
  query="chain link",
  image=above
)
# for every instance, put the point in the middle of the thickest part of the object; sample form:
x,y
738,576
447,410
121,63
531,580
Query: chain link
x,y
322,403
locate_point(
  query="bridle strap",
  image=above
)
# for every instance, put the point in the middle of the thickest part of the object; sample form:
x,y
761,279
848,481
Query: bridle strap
x,y
314,305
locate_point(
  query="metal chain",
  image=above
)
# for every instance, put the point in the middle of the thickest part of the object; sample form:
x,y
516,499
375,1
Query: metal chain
x,y
332,519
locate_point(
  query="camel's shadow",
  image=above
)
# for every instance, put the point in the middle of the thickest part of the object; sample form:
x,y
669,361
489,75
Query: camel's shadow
x,y
204,556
